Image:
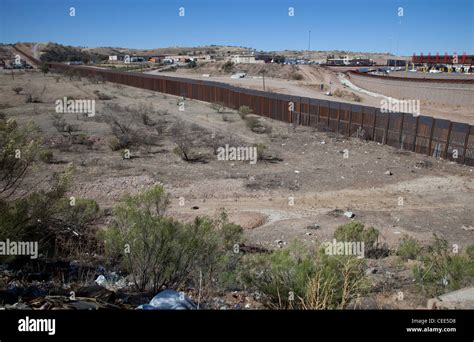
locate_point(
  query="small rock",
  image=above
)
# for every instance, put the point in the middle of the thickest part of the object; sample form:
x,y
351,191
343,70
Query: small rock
x,y
296,171
313,226
195,207
279,243
388,173
370,270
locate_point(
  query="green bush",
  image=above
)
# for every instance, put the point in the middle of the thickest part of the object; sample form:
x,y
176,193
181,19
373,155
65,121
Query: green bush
x,y
470,251
46,156
117,144
442,271
219,108
296,76
228,66
409,248
244,111
161,252
252,122
356,231
48,217
281,276
19,148
297,277
339,280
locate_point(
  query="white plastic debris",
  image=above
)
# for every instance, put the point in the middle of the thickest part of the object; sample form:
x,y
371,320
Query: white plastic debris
x,y
349,214
100,280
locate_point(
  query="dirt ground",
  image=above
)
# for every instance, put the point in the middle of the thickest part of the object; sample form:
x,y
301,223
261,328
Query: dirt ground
x,y
397,192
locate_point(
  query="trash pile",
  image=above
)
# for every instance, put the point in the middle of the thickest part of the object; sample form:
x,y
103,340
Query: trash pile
x,y
22,290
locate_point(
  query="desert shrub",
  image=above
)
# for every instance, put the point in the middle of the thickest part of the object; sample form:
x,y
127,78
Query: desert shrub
x,y
44,68
256,125
102,96
46,156
339,280
185,137
80,212
347,95
470,251
123,124
50,218
297,277
261,151
82,139
34,94
244,111
219,108
228,66
116,144
19,148
252,122
296,76
146,120
356,232
442,271
17,90
281,276
161,252
59,122
409,248
143,112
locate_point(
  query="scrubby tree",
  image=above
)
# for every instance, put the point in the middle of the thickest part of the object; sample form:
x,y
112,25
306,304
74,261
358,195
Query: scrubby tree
x,y
159,251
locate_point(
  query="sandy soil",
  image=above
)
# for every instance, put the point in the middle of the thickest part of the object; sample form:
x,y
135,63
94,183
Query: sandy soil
x,y
436,194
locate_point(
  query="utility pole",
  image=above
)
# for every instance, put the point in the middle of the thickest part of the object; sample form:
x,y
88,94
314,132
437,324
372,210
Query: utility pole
x,y
263,74
309,41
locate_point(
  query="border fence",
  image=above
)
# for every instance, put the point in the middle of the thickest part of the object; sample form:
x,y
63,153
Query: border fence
x,y
421,134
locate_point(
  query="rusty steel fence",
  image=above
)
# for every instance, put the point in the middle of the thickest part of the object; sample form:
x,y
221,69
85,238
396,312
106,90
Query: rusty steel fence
x,y
421,134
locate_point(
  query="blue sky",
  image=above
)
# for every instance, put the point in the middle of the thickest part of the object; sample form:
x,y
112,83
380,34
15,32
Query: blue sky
x,y
351,25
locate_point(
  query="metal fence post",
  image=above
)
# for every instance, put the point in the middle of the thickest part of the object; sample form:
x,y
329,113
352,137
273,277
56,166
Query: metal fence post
x,y
431,136
466,141
401,131
446,148
416,133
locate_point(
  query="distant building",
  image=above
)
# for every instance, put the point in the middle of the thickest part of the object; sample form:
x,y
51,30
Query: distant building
x,y
342,60
396,62
137,59
361,61
157,59
113,58
249,59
